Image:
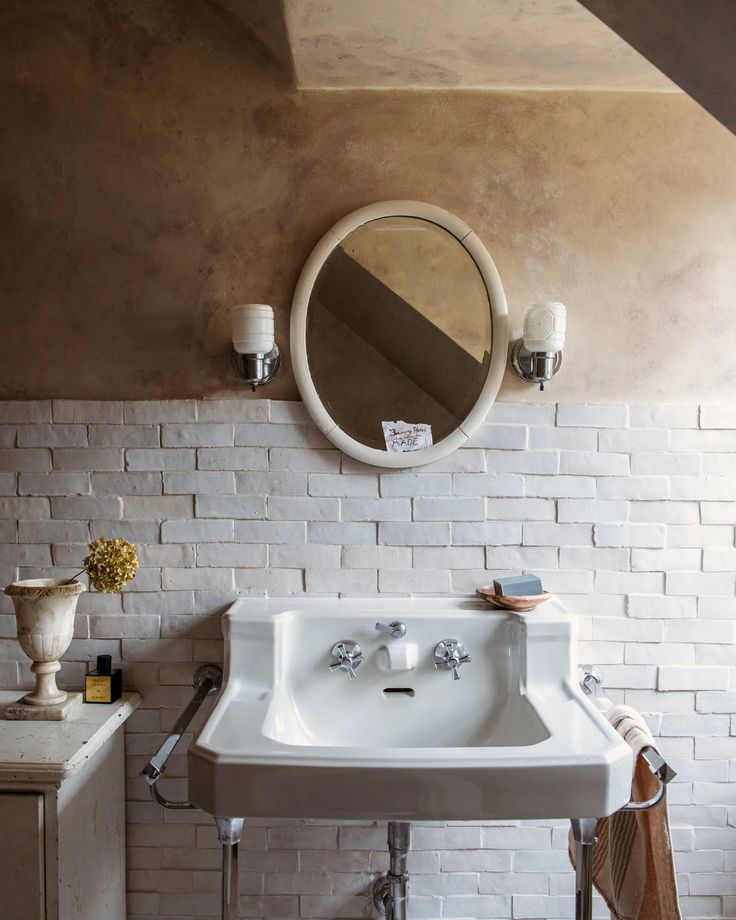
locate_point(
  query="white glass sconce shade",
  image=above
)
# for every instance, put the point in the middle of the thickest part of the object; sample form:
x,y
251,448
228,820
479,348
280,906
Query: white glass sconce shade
x,y
537,356
544,327
256,356
253,328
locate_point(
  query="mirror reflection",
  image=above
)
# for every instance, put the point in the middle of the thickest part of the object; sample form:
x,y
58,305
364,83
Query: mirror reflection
x,y
398,328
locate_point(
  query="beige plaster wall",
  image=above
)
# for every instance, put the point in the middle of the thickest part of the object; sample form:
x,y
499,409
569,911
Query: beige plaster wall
x,y
152,173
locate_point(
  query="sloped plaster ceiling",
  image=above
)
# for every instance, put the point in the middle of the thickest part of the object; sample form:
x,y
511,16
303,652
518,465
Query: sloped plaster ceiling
x,y
445,44
695,43
264,24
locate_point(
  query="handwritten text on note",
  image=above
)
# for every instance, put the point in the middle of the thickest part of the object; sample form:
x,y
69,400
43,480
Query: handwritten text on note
x,y
404,436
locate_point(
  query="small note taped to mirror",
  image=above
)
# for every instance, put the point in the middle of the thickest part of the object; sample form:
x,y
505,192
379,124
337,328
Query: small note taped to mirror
x,y
404,436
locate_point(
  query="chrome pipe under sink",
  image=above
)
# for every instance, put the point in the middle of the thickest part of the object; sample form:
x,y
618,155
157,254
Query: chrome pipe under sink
x,y
390,890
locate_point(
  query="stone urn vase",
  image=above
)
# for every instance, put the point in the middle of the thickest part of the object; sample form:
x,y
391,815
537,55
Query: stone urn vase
x,y
44,615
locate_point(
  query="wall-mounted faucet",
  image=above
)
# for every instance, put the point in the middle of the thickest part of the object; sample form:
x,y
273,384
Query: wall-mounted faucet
x,y
347,655
396,630
449,655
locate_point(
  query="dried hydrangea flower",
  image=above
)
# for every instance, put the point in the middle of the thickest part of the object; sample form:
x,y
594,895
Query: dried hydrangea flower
x,y
110,564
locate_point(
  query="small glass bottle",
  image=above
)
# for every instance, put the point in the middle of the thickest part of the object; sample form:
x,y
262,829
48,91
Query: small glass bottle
x,y
103,685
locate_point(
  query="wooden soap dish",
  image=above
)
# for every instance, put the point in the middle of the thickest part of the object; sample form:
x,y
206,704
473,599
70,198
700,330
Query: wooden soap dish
x,y
509,601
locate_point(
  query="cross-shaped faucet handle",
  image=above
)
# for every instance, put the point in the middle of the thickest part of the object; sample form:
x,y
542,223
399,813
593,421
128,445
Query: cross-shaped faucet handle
x,y
449,655
347,656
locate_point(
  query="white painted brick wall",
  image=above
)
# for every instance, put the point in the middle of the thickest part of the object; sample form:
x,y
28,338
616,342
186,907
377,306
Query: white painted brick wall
x,y
627,512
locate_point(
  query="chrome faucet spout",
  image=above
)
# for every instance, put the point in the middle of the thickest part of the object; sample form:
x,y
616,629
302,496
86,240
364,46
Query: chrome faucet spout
x,y
396,630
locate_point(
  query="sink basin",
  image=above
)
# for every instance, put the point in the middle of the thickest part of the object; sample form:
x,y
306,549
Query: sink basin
x,y
513,738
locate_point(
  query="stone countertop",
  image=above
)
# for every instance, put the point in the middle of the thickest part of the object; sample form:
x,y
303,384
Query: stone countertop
x,y
47,752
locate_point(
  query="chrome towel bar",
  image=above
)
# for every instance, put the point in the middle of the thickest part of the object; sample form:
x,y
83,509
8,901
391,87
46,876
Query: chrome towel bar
x,y
207,680
591,683
584,829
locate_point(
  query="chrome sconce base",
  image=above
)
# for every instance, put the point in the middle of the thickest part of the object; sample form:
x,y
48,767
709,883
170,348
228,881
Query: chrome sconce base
x,y
535,366
257,369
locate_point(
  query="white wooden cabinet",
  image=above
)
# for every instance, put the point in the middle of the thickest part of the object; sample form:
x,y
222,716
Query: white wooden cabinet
x,y
62,815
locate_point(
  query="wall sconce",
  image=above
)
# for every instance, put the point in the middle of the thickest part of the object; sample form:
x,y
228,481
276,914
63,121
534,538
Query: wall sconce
x,y
538,355
256,355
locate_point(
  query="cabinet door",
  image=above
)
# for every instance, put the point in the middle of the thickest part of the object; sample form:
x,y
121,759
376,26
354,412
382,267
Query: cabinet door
x,y
22,888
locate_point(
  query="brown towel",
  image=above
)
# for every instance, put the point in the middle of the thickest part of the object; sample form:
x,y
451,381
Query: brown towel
x,y
633,868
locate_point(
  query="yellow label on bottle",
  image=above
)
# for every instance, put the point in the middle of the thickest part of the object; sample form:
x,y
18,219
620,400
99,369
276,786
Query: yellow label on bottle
x,y
97,689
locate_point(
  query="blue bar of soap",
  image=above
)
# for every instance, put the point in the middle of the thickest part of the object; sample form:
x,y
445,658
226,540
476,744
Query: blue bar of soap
x,y
518,585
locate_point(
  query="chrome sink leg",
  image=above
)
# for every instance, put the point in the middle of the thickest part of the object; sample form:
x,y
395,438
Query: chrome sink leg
x,y
229,831
390,890
583,833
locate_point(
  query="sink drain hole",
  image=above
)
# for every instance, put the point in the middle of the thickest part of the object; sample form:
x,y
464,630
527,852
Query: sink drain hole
x,y
398,691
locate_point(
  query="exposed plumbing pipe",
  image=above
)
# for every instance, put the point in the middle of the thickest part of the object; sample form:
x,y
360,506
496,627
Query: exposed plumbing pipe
x,y
390,890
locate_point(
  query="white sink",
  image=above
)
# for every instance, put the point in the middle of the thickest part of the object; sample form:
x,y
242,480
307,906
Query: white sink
x,y
513,738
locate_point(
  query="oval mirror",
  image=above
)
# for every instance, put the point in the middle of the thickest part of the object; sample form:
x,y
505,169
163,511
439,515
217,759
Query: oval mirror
x,y
399,333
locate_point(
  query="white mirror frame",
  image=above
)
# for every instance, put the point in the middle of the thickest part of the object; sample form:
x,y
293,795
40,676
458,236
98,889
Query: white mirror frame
x,y
298,332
